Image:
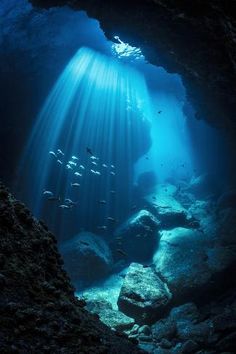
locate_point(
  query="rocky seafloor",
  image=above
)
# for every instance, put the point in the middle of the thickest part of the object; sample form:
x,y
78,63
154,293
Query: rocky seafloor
x,y
167,279
38,310
167,274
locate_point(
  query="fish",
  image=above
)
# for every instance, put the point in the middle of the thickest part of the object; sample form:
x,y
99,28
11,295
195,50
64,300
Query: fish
x,y
112,192
102,202
68,167
111,219
84,243
82,167
103,227
89,151
93,171
48,193
63,206
147,158
54,199
74,157
53,153
112,166
78,174
121,252
60,162
60,152
153,197
104,165
112,173
72,163
70,203
93,157
118,238
75,184
98,173
94,163
159,112
138,235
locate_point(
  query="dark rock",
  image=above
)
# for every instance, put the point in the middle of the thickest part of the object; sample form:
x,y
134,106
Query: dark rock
x,y
227,200
143,295
187,311
165,343
227,344
39,314
140,230
200,332
189,347
83,254
165,328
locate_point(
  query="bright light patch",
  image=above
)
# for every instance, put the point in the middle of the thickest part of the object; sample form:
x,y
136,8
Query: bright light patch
x,y
97,103
124,50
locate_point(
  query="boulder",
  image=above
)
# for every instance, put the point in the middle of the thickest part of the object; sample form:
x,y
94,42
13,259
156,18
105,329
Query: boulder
x,y
187,260
87,257
168,209
164,328
143,295
137,237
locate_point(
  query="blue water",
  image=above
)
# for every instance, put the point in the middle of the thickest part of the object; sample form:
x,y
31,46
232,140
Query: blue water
x,y
131,114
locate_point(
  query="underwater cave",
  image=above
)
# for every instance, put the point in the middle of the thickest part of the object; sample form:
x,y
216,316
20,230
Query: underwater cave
x,y
118,173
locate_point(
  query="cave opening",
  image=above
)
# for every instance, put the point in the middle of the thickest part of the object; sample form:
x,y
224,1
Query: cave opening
x,y
111,156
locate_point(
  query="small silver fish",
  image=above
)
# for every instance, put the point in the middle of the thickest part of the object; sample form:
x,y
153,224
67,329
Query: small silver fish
x,y
112,173
72,163
74,158
68,167
75,184
60,162
82,167
103,227
48,193
112,166
53,153
78,174
112,192
60,152
104,165
111,219
94,163
93,171
98,173
92,157
102,202
63,206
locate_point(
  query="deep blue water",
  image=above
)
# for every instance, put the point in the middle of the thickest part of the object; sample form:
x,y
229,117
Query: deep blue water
x,y
131,114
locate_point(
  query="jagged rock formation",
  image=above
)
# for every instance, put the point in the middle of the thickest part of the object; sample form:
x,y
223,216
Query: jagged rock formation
x,y
196,40
38,310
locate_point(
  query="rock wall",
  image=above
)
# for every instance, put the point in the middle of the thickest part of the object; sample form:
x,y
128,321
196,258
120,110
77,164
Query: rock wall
x,y
38,310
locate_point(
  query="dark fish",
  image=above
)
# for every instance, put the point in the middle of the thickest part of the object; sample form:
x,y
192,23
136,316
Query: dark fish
x,y
159,112
154,197
121,252
89,151
102,202
147,158
183,165
54,199
84,243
